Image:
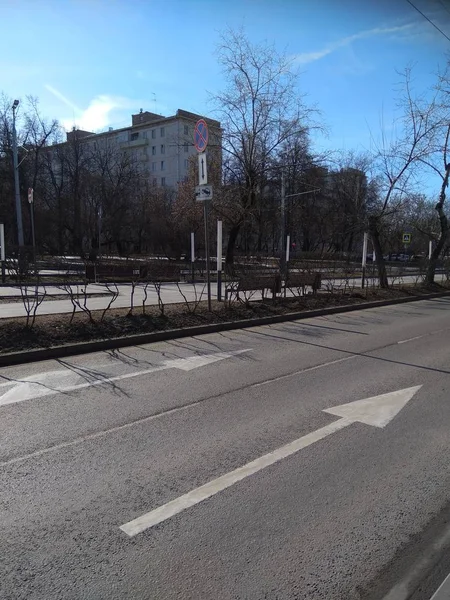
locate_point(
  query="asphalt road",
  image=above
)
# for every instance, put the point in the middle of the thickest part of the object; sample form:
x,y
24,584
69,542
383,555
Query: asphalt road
x,y
92,443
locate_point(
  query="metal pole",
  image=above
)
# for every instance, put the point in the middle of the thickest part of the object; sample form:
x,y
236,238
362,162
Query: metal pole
x,y
32,232
2,251
193,256
364,259
288,248
219,261
99,232
208,273
430,249
283,221
16,179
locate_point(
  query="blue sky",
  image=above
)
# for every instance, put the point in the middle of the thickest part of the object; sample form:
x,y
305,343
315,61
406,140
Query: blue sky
x,y
94,62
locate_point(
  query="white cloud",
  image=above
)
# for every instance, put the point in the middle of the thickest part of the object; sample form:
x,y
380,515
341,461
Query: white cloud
x,y
97,115
308,57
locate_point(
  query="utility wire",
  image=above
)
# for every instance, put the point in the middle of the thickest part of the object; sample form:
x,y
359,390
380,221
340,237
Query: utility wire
x,y
443,6
429,20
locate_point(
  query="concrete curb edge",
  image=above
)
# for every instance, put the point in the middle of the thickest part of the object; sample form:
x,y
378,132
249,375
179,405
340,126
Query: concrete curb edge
x,y
40,354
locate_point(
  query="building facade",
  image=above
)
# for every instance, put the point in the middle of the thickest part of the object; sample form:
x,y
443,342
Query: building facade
x,y
161,147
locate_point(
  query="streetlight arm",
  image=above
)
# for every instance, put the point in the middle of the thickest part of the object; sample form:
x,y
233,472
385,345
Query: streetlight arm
x,y
301,193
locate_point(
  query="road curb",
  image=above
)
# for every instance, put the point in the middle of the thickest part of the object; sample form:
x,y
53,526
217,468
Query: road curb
x,y
28,356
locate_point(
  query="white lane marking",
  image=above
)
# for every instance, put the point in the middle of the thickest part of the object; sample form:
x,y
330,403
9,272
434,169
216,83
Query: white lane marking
x,y
327,364
63,381
164,413
443,593
419,337
377,411
98,434
420,568
166,511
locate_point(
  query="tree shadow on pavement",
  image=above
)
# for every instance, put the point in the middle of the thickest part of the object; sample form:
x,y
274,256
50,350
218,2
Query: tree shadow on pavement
x,y
352,353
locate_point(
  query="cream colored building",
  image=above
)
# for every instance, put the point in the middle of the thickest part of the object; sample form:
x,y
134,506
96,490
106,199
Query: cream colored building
x,y
160,146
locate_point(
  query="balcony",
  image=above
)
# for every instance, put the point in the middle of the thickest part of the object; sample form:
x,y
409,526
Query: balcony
x,y
141,141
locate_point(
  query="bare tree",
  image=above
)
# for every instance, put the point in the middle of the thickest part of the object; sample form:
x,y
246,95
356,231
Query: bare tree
x,y
398,160
260,110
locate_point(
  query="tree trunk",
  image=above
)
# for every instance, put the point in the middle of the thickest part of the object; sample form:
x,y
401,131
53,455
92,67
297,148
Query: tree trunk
x,y
381,266
443,221
234,232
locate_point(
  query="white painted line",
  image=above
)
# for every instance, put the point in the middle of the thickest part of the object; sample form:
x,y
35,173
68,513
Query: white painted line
x,y
166,511
99,434
403,589
443,593
377,411
327,364
65,380
418,337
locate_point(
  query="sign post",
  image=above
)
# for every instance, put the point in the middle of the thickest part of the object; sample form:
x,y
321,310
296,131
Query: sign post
x,y
219,261
2,251
193,256
288,247
406,240
31,203
203,192
364,259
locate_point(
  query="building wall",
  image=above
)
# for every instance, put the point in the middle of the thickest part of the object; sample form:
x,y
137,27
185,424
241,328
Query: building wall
x,y
160,146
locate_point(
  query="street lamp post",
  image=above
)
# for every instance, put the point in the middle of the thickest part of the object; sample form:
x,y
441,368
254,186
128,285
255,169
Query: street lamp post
x,y
283,223
16,178
283,218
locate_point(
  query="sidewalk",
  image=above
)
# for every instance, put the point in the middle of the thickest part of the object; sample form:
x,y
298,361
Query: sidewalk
x,y
51,290
170,294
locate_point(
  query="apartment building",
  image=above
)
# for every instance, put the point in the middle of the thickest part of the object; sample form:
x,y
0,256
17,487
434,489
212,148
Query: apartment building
x,y
161,147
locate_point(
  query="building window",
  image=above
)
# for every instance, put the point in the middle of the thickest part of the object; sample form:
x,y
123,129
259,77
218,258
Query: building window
x,y
153,166
162,131
153,134
163,181
163,149
186,130
186,163
162,165
154,181
186,147
144,135
153,150
134,136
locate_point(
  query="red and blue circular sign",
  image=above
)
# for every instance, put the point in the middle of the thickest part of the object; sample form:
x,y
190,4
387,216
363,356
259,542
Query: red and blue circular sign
x,y
201,135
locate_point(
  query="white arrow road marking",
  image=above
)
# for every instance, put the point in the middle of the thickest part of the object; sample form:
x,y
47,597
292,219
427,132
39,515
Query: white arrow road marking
x,y
66,380
377,411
